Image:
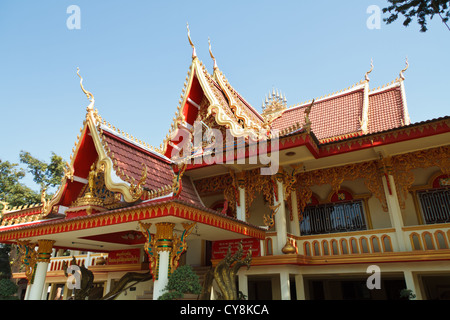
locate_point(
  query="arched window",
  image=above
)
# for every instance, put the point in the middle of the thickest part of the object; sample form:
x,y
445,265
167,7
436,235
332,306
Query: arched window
x,y
325,249
316,247
307,249
415,241
354,245
428,242
344,246
364,245
269,247
435,202
387,245
375,242
440,240
334,247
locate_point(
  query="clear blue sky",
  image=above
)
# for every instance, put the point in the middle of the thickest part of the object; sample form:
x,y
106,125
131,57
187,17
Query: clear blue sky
x,y
134,56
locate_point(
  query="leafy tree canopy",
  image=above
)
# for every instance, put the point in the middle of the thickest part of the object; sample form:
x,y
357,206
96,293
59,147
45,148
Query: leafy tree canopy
x,y
16,193
12,190
46,175
419,9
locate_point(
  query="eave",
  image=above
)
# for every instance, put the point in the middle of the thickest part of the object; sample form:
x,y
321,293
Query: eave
x,y
211,223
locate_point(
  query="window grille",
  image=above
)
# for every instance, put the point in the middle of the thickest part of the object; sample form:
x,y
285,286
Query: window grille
x,y
435,205
333,218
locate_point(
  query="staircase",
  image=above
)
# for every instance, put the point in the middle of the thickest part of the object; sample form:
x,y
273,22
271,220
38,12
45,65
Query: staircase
x,y
199,270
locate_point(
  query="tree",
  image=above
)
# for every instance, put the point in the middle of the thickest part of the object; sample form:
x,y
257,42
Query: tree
x,y
47,175
14,193
420,9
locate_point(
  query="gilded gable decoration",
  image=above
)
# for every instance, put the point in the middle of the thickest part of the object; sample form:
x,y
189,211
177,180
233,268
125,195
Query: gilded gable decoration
x,y
273,106
95,196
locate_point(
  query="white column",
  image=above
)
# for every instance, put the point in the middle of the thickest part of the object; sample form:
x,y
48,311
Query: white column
x,y
43,259
243,284
240,209
39,281
413,284
285,286
395,213
27,293
295,224
280,219
300,287
163,275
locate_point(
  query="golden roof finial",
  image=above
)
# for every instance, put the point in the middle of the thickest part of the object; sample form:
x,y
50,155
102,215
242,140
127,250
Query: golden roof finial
x,y
194,54
211,54
88,94
366,76
406,68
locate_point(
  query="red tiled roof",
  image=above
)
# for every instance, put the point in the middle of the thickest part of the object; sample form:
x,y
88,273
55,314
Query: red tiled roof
x,y
385,110
331,117
130,158
188,193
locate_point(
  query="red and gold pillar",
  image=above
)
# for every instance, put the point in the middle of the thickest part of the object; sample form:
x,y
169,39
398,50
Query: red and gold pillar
x,y
164,249
44,253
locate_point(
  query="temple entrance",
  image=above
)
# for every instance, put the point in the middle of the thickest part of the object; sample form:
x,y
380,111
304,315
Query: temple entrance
x,y
436,287
353,288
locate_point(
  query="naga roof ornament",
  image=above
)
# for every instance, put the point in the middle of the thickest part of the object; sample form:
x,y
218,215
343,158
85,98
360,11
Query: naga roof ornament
x,y
366,76
88,94
401,76
211,54
194,53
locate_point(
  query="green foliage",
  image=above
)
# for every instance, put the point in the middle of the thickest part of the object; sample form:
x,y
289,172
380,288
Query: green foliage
x,y
15,193
407,293
45,174
420,9
7,288
5,267
12,190
183,280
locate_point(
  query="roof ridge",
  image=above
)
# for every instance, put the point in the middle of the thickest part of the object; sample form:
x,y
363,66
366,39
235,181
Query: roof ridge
x,y
387,86
355,87
107,126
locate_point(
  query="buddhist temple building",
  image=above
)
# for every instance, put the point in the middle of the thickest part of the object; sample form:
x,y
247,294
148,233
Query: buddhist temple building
x,y
338,197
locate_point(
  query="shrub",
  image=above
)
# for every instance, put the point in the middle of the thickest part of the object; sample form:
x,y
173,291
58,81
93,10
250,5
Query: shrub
x,y
183,280
7,288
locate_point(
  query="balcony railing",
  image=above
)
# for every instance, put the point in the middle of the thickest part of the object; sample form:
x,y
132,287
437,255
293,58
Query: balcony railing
x,y
378,241
358,242
57,263
429,237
